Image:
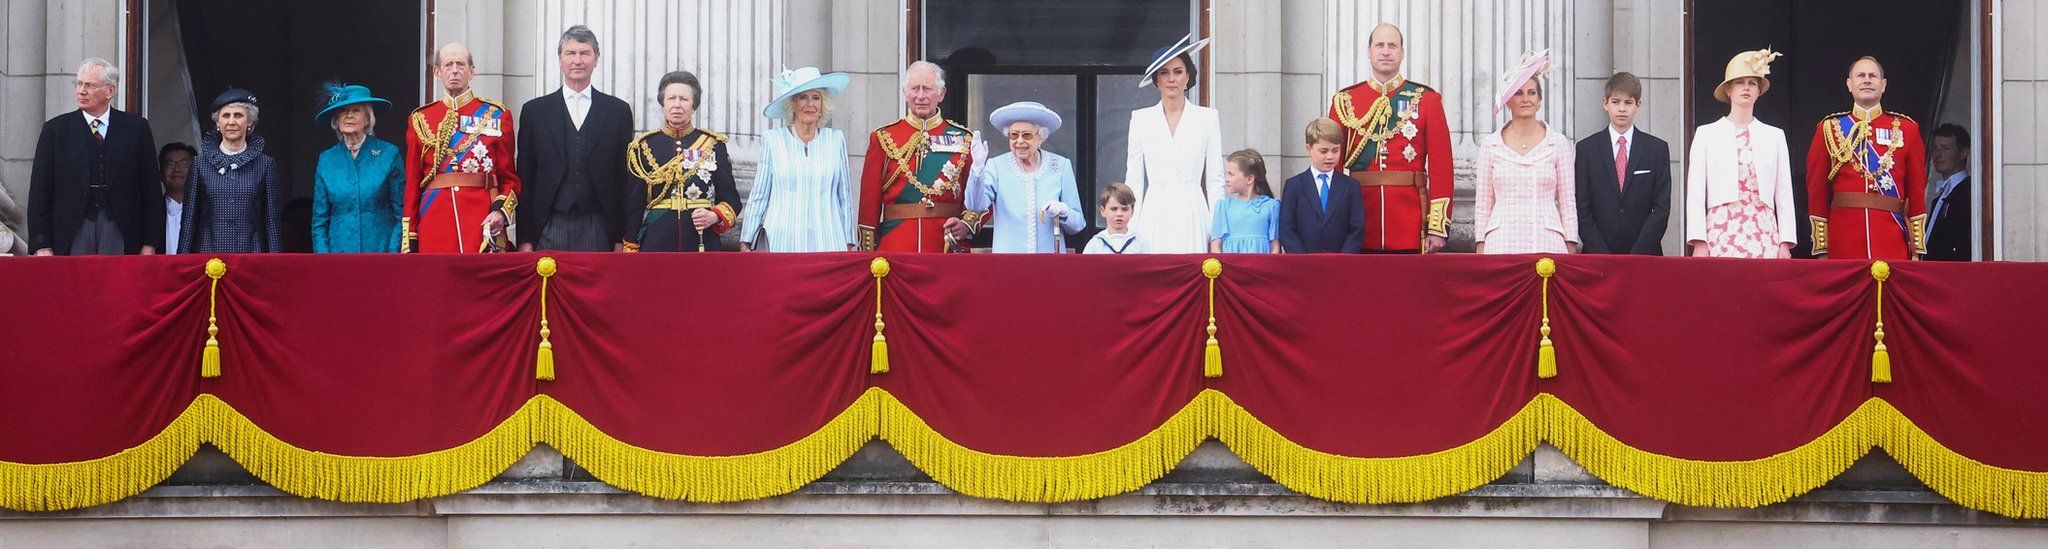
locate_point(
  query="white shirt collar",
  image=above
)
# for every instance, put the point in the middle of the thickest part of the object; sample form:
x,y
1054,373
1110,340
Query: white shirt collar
x,y
1942,188
1322,176
105,118
583,93
1614,137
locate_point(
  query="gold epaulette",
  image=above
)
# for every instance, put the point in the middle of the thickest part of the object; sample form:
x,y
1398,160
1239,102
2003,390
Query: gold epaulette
x,y
957,125
500,106
715,135
641,138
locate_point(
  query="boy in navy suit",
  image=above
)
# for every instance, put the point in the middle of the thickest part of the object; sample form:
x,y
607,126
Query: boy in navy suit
x,y
1624,179
1322,210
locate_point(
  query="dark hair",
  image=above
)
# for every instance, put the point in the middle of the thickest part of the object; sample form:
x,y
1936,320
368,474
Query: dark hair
x,y
175,146
684,78
1952,131
1194,76
1625,84
1254,164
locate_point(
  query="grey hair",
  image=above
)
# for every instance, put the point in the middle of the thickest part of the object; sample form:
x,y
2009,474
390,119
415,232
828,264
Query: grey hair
x,y
109,73
579,33
369,125
824,111
1035,128
465,49
249,108
938,72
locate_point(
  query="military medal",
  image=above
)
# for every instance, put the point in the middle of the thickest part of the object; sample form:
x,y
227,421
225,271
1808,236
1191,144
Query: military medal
x,y
1409,152
1408,129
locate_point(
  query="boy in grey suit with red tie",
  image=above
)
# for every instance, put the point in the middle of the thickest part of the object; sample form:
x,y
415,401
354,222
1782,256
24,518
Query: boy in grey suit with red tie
x,y
1624,179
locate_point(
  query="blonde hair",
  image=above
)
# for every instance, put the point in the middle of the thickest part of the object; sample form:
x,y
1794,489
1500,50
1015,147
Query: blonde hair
x,y
1324,130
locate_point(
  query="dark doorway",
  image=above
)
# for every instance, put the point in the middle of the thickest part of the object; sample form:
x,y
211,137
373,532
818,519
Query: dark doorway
x,y
1081,58
282,51
1917,41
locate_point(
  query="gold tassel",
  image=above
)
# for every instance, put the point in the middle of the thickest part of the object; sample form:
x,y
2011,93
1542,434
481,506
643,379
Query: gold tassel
x,y
1880,359
209,359
544,359
1212,353
878,358
1546,354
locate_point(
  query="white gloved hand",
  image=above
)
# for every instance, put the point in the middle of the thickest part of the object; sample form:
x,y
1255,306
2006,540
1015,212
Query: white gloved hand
x,y
978,154
1056,210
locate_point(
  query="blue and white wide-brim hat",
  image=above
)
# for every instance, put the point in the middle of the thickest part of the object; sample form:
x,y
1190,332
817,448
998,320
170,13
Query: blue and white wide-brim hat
x,y
1187,45
1025,111
803,79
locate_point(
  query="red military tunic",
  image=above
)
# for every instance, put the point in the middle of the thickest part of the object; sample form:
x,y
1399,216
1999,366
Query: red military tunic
x,y
458,161
1397,144
911,183
1866,184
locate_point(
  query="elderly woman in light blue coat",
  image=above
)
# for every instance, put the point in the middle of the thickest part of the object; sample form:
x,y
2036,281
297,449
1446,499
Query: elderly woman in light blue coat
x,y
358,184
1036,205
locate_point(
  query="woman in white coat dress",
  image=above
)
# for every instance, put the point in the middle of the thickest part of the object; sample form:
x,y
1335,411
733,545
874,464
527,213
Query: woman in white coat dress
x,y
1175,164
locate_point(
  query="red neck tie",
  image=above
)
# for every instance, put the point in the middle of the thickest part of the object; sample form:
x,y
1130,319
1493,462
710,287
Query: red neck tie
x,y
1621,163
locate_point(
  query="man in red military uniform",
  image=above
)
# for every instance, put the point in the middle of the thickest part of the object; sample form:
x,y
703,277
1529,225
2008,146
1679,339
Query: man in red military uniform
x,y
1398,146
1866,177
458,161
911,184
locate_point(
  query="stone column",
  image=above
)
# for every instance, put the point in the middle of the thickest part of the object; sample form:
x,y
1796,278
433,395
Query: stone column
x,y
2018,121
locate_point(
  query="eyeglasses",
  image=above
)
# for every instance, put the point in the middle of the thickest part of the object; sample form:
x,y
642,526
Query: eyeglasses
x,y
186,163
77,84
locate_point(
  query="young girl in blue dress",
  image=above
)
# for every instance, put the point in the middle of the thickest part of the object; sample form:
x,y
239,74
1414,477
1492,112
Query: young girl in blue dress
x,y
1247,220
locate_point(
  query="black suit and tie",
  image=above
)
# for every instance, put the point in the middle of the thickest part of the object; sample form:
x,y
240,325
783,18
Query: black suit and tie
x,y
1311,225
80,178
1623,217
1948,232
573,179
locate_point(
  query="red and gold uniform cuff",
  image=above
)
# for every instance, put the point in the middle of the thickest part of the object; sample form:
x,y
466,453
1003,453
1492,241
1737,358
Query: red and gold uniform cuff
x,y
1820,233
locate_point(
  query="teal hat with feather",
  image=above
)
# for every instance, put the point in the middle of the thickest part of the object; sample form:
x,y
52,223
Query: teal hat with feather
x,y
341,95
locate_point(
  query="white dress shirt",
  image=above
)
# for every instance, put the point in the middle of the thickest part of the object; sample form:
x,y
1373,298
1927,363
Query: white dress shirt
x,y
174,216
579,104
1614,140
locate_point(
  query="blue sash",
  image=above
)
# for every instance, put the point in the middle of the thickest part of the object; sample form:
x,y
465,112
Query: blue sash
x,y
1873,164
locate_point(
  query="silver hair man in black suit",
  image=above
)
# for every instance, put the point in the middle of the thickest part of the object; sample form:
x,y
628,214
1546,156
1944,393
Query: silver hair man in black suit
x,y
572,158
93,188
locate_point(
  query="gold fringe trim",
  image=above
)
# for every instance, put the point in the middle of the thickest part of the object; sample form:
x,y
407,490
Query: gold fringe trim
x,y
710,478
60,486
1750,483
1046,479
352,479
1376,480
1970,483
